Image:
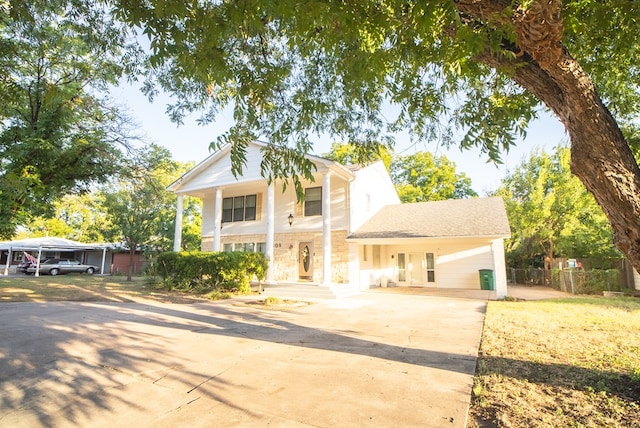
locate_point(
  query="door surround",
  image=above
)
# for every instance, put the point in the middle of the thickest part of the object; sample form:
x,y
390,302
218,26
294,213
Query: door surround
x,y
305,260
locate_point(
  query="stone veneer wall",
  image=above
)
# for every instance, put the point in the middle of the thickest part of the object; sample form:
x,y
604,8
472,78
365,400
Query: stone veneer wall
x,y
285,253
206,243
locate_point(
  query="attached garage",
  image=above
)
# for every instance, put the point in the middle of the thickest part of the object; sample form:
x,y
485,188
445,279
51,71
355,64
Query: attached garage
x,y
443,244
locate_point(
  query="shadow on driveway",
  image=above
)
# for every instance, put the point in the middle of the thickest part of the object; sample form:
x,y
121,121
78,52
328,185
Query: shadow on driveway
x,y
381,358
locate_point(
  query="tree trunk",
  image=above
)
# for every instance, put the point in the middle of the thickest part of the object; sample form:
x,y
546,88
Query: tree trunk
x,y
600,156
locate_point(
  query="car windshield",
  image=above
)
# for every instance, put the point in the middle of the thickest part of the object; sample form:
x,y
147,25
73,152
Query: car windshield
x,y
51,262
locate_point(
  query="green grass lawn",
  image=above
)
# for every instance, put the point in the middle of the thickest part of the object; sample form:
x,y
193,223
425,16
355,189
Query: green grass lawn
x,y
559,363
82,287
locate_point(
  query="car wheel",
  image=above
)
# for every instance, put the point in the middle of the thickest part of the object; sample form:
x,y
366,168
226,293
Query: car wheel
x,y
28,273
90,271
54,272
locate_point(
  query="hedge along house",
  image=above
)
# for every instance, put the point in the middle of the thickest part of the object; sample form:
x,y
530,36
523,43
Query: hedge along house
x,y
330,239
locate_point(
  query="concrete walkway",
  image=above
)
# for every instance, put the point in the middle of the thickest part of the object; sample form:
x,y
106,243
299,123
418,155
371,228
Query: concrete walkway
x,y
522,292
376,359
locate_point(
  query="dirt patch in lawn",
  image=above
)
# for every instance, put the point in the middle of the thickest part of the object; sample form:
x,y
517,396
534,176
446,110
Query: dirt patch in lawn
x,y
276,304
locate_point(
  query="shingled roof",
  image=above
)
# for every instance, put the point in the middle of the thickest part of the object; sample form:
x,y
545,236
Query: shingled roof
x,y
477,217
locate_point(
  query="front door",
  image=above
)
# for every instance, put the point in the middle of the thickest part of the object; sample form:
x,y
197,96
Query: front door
x,y
305,261
417,269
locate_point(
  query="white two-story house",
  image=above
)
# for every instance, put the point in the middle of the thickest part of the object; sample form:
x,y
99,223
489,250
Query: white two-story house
x,y
350,230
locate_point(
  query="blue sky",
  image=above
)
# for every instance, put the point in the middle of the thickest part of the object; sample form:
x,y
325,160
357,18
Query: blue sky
x,y
190,141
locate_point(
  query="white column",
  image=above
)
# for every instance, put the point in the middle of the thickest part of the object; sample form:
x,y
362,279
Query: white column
x,y
177,236
326,229
499,268
217,219
104,256
270,231
6,268
38,262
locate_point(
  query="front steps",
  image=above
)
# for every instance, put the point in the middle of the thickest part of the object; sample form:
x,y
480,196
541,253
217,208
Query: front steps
x,y
308,291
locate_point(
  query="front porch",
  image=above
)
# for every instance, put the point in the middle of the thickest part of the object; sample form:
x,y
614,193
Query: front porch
x,y
309,291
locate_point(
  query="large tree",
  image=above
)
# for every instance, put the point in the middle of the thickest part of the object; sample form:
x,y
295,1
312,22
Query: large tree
x,y
422,177
77,217
58,133
418,177
294,68
356,154
551,212
141,210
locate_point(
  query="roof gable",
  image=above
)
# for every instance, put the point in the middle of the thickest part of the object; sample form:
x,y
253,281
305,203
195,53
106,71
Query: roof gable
x,y
215,170
477,217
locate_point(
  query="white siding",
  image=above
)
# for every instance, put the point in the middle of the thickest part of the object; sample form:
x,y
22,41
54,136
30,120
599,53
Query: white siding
x,y
219,173
458,263
208,205
370,191
372,275
285,204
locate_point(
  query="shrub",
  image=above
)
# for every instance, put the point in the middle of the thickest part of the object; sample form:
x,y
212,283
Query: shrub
x,y
203,272
272,301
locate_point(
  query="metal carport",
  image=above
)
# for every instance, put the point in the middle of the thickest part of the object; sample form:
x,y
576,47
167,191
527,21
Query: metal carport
x,y
49,244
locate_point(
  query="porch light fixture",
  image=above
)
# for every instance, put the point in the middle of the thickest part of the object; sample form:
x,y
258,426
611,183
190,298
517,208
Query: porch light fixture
x,y
290,218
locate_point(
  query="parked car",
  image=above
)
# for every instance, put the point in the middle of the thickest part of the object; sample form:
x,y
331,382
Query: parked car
x,y
60,266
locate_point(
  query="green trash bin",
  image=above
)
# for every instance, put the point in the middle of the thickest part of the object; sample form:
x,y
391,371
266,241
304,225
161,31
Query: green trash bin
x,y
486,279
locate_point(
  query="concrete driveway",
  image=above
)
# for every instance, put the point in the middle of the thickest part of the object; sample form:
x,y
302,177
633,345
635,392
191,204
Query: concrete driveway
x,y
376,359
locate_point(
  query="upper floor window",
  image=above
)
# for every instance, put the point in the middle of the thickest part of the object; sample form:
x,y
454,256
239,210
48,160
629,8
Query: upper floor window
x,y
313,201
239,208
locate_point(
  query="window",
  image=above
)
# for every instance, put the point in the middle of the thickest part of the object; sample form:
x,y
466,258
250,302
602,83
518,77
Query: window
x,y
239,208
431,272
402,271
249,247
227,210
250,207
313,201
